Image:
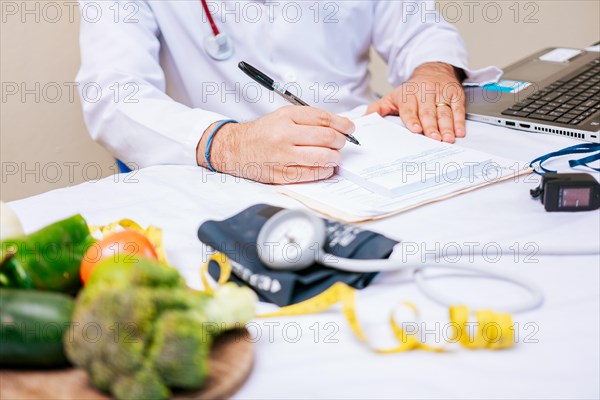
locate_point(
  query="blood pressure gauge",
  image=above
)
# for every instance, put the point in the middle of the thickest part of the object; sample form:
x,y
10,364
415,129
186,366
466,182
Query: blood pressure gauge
x,y
291,240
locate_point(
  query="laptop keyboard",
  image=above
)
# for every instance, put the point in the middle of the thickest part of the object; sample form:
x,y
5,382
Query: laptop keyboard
x,y
566,102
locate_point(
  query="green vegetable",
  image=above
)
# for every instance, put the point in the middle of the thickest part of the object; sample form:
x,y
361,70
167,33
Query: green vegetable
x,y
48,259
179,353
32,326
230,305
151,333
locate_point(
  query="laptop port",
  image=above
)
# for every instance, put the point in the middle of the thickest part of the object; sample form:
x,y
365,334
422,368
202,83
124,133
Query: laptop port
x,y
526,126
509,123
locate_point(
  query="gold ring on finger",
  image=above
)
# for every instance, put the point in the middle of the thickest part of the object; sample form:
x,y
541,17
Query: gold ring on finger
x,y
442,104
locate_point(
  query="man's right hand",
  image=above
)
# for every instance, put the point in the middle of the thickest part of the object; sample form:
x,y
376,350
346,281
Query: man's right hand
x,y
293,144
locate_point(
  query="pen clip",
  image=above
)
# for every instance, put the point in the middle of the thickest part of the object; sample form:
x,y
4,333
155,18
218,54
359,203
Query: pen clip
x,y
279,88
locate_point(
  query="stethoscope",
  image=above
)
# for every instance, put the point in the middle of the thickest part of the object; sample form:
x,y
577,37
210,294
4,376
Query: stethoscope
x,y
292,240
218,45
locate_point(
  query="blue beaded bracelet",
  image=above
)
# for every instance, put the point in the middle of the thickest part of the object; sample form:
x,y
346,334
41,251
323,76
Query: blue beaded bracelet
x,y
210,140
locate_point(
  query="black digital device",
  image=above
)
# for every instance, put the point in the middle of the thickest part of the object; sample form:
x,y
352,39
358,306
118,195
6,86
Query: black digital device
x,y
568,192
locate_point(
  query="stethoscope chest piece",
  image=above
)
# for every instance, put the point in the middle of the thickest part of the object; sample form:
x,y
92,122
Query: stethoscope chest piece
x,y
218,47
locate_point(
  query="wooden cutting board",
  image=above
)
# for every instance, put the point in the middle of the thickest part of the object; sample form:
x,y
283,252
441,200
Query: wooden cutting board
x,y
231,361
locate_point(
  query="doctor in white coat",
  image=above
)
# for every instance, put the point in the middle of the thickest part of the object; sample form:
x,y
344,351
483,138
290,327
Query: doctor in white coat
x,y
153,93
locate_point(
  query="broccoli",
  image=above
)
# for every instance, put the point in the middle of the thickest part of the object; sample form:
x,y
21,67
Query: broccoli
x,y
180,349
139,331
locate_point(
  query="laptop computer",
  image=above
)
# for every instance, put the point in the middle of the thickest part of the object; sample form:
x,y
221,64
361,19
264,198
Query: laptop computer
x,y
555,91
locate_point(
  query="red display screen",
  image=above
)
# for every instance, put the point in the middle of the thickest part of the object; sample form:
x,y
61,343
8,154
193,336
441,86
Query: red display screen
x,y
575,197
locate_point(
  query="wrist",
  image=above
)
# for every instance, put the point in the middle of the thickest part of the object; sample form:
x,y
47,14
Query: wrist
x,y
439,68
222,148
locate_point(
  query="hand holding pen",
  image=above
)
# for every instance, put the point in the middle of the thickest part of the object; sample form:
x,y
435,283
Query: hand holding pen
x,y
271,85
289,145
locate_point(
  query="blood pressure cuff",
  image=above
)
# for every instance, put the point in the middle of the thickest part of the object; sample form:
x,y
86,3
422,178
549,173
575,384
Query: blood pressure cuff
x,y
236,237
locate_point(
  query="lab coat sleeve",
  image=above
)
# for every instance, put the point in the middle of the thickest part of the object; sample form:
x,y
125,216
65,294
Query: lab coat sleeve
x,y
122,88
407,34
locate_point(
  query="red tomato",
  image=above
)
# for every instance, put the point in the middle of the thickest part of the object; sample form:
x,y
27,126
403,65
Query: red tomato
x,y
124,246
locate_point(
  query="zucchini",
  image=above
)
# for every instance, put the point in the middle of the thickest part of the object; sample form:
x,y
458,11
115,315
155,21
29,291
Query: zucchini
x,y
32,326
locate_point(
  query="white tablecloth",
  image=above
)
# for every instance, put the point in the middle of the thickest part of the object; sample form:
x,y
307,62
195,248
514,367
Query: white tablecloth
x,y
316,356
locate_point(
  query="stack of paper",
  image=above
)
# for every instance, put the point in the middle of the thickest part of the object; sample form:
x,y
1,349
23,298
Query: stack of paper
x,y
395,170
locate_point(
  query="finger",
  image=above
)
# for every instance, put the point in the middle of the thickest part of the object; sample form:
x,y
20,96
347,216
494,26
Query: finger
x,y
317,117
308,156
323,173
383,107
408,114
428,119
318,136
445,123
459,113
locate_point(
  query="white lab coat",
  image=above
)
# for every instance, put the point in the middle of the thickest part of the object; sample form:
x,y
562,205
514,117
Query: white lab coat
x,y
150,90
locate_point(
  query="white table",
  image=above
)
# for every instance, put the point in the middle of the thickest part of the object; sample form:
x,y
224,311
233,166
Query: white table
x,y
558,354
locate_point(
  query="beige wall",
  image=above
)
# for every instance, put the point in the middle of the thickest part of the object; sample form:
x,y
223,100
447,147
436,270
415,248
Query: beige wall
x,y
44,144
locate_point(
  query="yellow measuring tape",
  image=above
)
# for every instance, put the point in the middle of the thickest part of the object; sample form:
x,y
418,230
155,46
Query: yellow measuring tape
x,y
153,233
490,330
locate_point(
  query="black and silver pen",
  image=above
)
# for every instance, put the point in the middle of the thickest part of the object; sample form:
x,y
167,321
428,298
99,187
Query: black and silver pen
x,y
270,84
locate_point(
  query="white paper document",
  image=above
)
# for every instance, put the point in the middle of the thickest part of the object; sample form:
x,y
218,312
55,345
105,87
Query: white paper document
x,y
393,162
394,170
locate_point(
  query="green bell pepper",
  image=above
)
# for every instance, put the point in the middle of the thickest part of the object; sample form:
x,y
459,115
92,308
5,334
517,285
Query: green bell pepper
x,y
48,259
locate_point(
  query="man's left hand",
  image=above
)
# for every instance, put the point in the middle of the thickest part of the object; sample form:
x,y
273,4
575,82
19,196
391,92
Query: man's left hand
x,y
431,102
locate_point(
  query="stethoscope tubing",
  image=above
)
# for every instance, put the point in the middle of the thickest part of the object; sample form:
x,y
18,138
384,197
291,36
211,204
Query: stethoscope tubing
x,y
418,269
211,20
535,300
